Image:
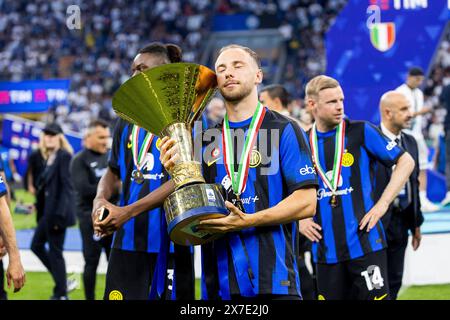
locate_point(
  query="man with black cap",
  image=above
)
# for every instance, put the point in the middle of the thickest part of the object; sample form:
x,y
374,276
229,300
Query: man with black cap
x,y
415,96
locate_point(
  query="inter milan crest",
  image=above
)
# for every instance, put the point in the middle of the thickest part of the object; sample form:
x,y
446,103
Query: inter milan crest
x,y
158,144
255,158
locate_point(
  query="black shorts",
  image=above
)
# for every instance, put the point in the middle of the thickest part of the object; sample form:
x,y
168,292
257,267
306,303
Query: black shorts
x,y
265,297
364,278
181,265
129,275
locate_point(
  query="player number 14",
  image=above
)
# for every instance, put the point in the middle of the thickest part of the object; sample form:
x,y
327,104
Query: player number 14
x,y
373,278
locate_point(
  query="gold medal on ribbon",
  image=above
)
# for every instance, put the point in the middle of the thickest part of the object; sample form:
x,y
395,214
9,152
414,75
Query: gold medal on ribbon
x,y
330,183
139,157
239,178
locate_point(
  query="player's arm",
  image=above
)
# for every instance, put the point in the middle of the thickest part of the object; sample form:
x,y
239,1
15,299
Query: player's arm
x,y
400,175
108,187
110,183
15,274
119,215
8,193
380,148
299,205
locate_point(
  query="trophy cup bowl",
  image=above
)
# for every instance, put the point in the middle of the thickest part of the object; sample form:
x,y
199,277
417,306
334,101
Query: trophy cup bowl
x,y
166,100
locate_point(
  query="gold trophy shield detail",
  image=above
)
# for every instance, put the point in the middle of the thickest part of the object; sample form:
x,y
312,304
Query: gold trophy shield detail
x,y
166,100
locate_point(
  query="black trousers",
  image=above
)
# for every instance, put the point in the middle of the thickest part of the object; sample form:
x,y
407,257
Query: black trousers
x,y
92,251
183,265
3,295
130,275
306,280
396,261
52,258
265,297
397,241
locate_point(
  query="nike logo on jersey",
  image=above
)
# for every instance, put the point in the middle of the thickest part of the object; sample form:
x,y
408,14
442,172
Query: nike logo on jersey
x,y
209,163
380,298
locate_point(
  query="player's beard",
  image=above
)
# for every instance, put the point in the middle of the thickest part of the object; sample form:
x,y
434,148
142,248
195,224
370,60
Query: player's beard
x,y
237,95
334,122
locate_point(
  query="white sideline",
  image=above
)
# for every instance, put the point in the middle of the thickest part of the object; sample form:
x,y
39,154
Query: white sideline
x,y
430,264
75,262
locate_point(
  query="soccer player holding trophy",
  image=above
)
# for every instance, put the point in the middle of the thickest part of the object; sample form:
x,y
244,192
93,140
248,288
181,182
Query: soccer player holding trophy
x,y
250,251
141,256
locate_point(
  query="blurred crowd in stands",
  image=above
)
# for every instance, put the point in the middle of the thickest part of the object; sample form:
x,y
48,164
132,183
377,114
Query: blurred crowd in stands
x,y
97,57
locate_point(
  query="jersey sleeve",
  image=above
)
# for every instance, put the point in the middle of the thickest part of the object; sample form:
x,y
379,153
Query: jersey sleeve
x,y
2,186
295,157
380,147
113,161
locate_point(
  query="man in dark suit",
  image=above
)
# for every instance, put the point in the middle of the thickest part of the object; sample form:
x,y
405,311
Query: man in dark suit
x,y
444,99
404,213
86,169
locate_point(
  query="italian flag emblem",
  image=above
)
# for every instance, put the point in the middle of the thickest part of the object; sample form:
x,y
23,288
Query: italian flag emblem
x,y
382,36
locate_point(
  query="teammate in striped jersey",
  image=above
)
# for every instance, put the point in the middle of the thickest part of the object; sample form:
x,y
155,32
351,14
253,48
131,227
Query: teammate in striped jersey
x,y
348,237
137,267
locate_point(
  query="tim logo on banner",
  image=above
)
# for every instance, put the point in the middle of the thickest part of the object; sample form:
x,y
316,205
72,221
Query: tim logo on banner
x,y
382,34
33,95
384,38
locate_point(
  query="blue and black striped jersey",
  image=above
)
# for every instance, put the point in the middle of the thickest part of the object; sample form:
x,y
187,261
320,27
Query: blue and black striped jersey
x,y
261,260
2,183
341,238
143,232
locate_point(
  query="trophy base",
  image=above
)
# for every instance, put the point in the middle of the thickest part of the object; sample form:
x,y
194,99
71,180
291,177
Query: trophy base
x,y
186,207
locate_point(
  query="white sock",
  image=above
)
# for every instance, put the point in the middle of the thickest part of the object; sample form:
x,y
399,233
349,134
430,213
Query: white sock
x,y
422,194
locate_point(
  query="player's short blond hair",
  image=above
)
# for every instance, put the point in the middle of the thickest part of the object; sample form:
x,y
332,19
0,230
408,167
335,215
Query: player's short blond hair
x,y
250,52
319,83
